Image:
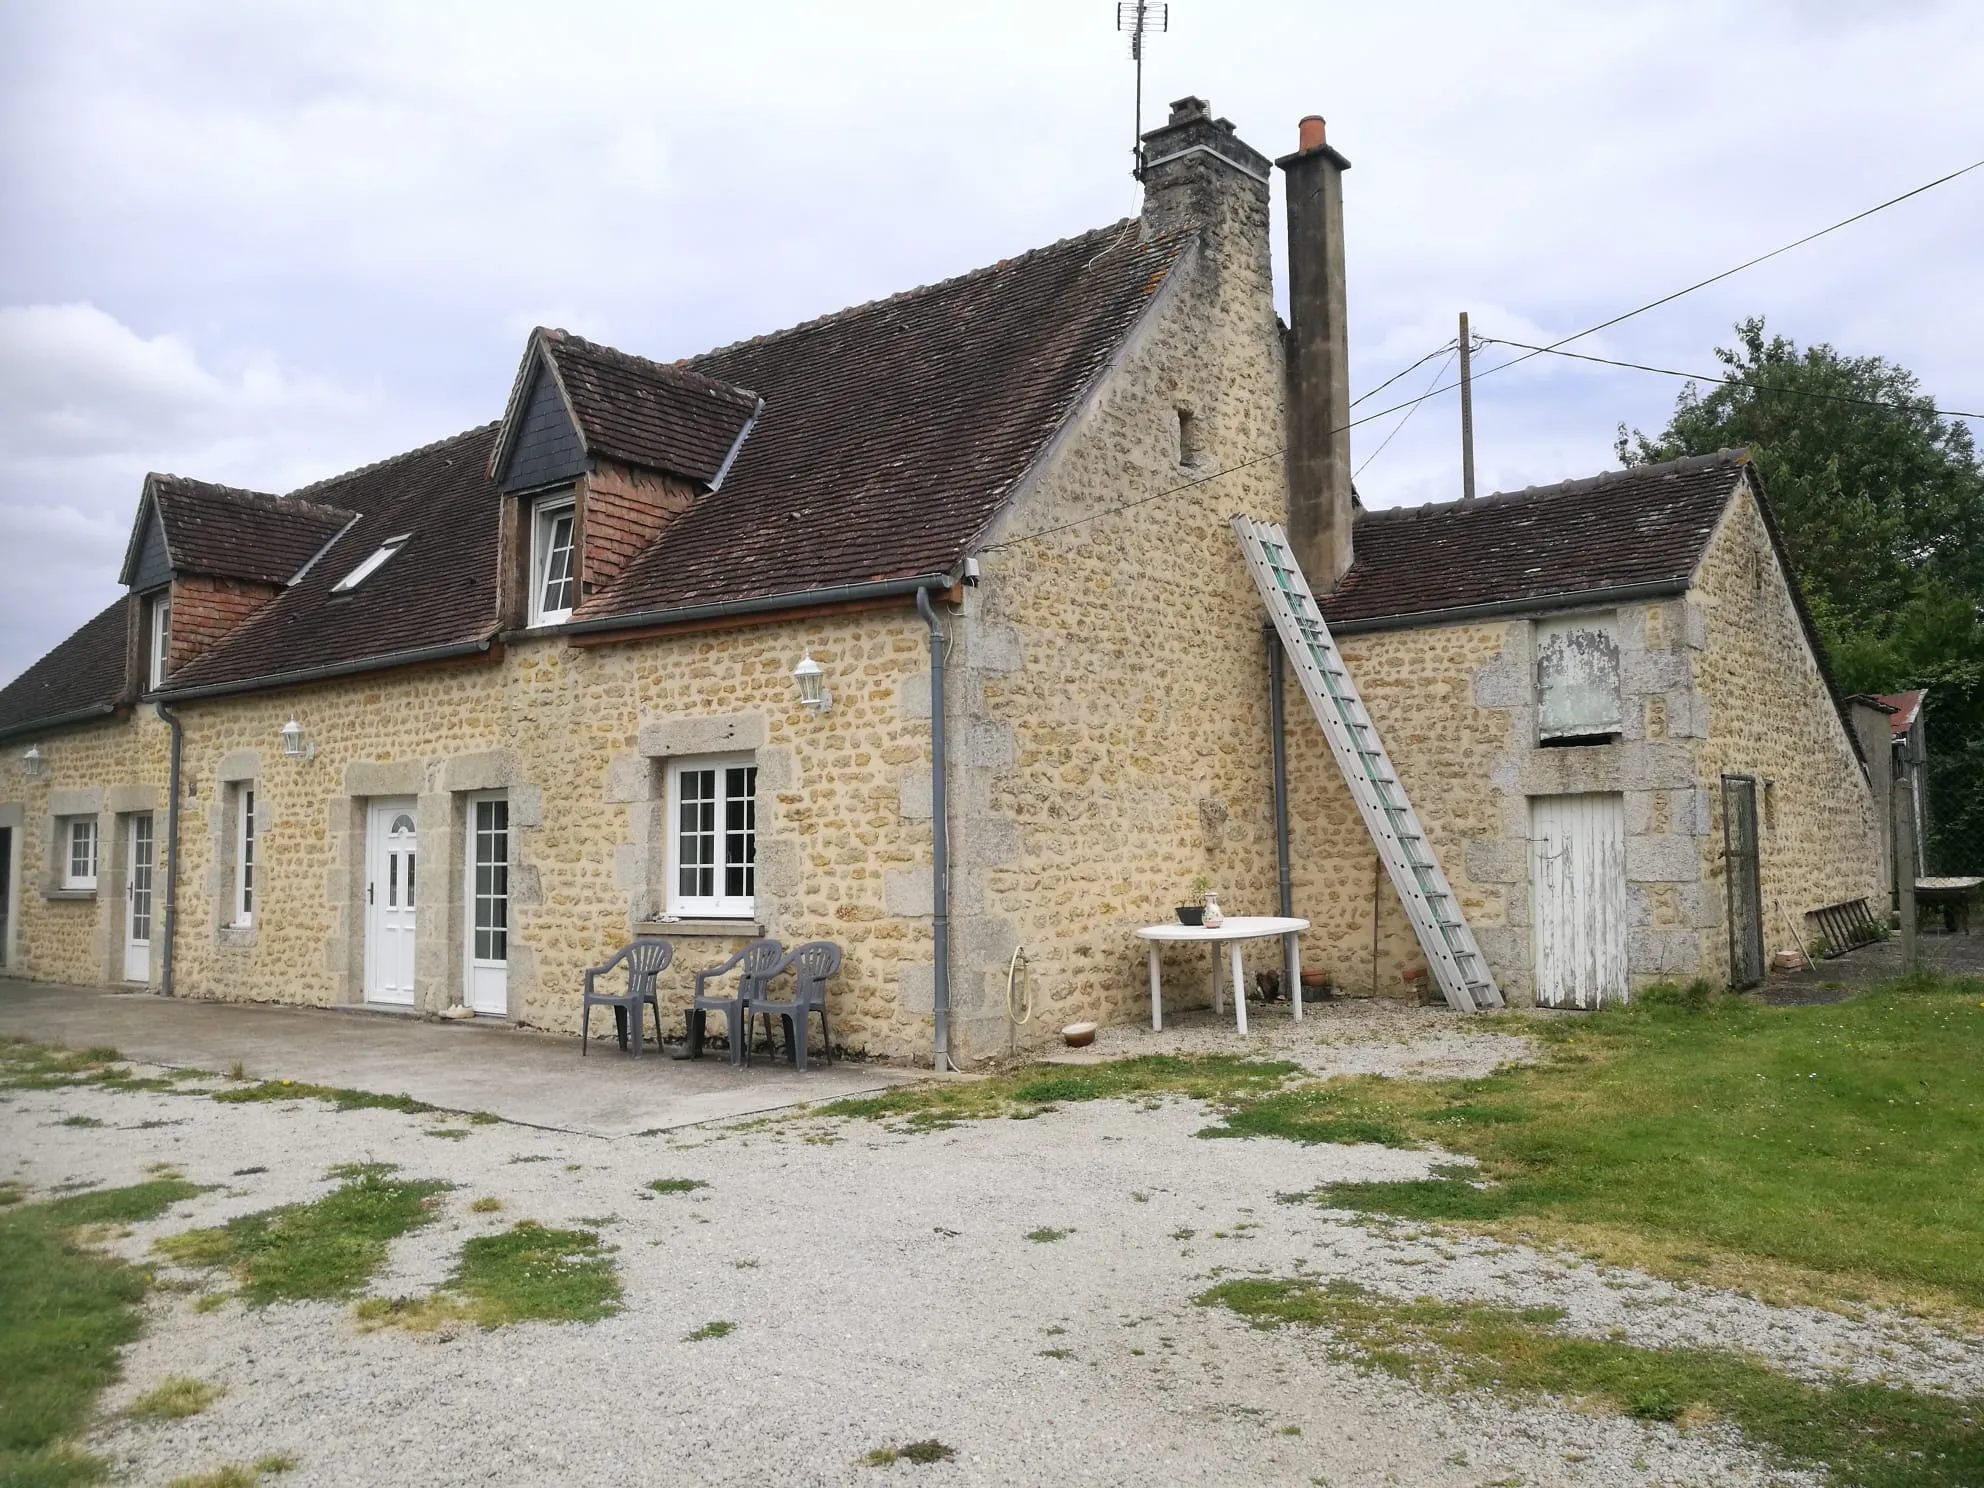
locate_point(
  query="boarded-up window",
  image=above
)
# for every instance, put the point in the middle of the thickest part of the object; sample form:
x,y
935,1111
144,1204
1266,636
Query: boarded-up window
x,y
1577,679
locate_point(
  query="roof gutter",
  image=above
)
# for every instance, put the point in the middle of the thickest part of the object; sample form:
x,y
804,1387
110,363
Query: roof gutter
x,y
761,605
1580,599
273,680
60,720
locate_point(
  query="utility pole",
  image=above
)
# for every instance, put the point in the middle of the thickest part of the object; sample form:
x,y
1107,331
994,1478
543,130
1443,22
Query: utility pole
x,y
1466,413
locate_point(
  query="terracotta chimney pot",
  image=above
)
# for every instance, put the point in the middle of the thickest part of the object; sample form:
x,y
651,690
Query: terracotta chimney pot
x,y
1311,135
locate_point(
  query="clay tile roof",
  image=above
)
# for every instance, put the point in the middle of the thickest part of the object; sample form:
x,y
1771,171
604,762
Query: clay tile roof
x,y
648,413
82,676
1642,528
236,534
439,590
892,431
1904,706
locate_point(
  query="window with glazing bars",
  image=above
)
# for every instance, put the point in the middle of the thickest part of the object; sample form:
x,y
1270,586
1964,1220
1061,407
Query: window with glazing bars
x,y
490,827
713,809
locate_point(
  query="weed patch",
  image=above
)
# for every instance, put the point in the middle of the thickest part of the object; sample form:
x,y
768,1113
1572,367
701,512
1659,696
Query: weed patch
x,y
64,1314
718,1329
1220,1078
676,1185
527,1273
344,1100
328,1248
1863,1434
921,1453
174,1397
1047,1234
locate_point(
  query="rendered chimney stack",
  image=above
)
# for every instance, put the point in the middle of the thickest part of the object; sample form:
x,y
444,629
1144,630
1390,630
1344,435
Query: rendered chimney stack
x,y
1319,505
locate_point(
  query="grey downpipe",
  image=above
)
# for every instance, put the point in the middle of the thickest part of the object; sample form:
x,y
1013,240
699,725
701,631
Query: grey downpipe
x,y
940,844
171,720
1291,956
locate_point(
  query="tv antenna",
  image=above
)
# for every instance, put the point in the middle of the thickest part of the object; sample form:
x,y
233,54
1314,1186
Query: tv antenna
x,y
1141,18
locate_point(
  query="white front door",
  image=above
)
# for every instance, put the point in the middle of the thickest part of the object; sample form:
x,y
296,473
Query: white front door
x,y
1578,898
486,968
138,864
392,845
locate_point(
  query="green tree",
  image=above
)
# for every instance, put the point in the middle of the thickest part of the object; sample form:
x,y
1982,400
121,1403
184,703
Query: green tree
x,y
1881,503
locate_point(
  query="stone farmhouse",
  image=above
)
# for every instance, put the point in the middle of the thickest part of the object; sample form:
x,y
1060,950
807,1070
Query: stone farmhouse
x,y
920,627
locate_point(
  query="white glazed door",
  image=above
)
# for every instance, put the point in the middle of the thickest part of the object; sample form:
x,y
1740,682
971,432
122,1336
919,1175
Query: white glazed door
x,y
392,864
138,899
1578,899
486,969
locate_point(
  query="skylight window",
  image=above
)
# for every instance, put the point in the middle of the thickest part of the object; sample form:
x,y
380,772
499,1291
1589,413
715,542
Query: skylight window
x,y
371,565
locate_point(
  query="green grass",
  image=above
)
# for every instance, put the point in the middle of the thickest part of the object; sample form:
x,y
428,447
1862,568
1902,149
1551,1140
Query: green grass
x,y
1220,1078
64,1314
676,1185
921,1453
1825,1153
1047,1234
328,1248
527,1273
718,1329
344,1100
1864,1435
174,1397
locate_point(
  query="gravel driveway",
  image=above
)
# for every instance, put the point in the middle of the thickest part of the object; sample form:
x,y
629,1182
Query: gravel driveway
x,y
883,1291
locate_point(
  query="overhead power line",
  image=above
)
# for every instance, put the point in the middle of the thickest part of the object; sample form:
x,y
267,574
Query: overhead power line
x,y
1666,299
1724,377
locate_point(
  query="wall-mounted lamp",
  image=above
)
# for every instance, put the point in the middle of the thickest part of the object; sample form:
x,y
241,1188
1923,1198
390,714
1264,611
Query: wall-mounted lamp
x,y
812,684
34,764
293,743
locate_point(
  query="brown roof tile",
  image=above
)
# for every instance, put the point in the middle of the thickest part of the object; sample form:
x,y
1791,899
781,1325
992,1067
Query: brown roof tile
x,y
438,590
892,432
647,413
236,534
1642,527
83,675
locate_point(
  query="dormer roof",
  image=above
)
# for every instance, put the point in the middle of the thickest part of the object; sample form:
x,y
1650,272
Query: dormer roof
x,y
623,407
226,532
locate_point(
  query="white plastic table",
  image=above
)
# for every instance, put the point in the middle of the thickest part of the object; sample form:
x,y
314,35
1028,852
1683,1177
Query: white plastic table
x,y
1234,929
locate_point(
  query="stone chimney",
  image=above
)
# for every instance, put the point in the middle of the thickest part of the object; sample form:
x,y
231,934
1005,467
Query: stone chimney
x,y
1319,496
1199,173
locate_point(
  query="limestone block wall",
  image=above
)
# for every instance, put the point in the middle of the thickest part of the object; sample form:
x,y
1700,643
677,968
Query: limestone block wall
x,y
108,770
1820,836
1110,695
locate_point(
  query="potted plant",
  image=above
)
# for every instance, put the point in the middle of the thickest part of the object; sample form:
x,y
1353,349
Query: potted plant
x,y
1195,912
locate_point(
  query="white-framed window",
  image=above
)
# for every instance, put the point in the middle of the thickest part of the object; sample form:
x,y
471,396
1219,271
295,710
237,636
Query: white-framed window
x,y
159,637
78,849
244,853
554,580
713,837
371,565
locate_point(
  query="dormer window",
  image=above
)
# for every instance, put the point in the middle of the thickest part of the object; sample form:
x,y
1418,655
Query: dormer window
x,y
158,625
553,585
373,563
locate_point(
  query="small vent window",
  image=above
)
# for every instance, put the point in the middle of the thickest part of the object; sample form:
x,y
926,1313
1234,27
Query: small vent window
x,y
1577,680
1189,451
371,565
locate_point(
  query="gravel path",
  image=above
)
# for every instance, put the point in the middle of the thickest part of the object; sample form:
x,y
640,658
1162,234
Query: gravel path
x,y
884,1291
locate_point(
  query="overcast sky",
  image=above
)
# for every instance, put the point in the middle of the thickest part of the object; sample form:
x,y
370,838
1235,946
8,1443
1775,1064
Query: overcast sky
x,y
261,243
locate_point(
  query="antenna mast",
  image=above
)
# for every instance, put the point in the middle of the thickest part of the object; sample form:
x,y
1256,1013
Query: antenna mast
x,y
1140,18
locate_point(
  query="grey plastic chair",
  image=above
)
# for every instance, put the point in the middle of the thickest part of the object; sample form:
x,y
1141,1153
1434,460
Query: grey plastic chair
x,y
754,964
810,964
645,960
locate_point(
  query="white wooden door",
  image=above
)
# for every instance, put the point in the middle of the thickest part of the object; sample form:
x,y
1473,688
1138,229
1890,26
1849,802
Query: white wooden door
x,y
392,855
486,914
1578,898
139,856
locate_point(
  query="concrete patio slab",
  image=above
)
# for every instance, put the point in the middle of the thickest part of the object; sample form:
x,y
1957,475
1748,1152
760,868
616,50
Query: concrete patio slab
x,y
536,1079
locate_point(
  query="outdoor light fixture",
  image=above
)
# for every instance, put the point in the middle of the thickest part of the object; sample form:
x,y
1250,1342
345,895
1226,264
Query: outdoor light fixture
x,y
293,743
34,764
812,682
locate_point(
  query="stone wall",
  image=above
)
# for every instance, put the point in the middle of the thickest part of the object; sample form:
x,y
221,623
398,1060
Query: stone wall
x,y
108,770
1770,716
1110,701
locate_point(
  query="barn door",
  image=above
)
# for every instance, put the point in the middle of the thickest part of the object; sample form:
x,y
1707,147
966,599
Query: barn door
x,y
1746,902
1578,898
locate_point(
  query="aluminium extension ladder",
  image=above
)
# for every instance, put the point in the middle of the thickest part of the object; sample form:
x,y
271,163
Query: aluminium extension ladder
x,y
1401,841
